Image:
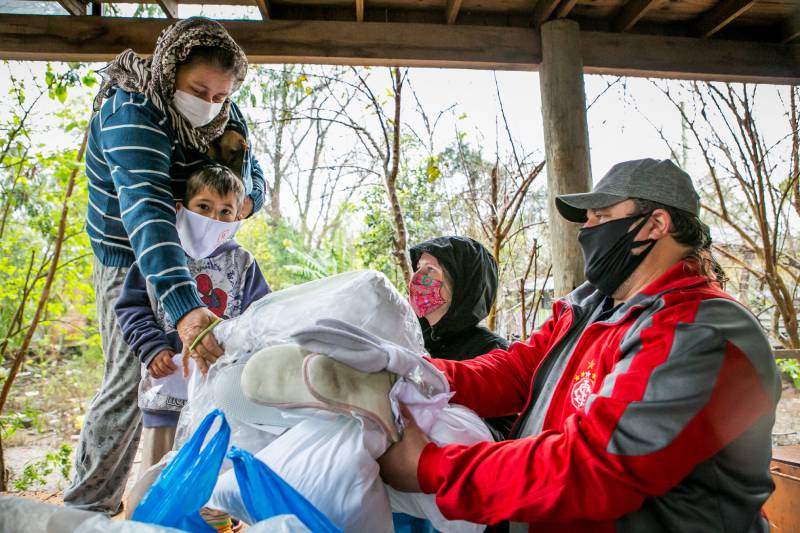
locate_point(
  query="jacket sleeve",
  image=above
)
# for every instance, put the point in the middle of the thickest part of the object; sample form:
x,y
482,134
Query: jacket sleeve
x,y
255,286
498,383
674,399
136,319
256,175
139,153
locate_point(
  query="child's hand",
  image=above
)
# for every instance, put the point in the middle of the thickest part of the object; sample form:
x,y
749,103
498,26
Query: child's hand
x,y
162,366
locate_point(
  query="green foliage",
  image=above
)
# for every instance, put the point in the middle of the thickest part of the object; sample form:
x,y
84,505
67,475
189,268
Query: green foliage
x,y
50,394
35,473
20,419
422,205
284,258
333,257
33,180
791,369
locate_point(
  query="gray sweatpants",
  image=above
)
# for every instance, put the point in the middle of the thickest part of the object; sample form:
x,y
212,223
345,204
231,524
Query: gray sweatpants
x,y
113,423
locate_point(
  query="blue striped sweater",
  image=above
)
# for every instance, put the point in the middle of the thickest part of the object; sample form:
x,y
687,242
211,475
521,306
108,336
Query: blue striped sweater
x,y
136,168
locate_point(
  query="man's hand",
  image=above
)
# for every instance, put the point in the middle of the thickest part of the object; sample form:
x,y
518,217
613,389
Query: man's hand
x,y
247,208
399,463
162,365
207,350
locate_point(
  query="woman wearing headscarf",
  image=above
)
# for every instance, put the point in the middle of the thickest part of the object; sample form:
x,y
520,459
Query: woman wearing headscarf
x,y
153,123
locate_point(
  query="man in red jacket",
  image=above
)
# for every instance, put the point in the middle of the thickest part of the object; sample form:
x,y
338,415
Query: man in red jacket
x,y
646,401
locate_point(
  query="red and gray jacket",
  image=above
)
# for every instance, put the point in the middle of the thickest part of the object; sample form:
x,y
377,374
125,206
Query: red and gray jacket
x,y
655,416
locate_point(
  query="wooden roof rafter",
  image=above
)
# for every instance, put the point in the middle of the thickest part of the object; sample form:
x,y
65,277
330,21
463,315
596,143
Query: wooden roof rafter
x,y
631,13
451,11
790,29
169,7
263,8
721,15
546,10
74,7
543,10
564,8
360,10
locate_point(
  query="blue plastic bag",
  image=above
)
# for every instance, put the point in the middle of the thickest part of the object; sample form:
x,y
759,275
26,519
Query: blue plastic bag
x,y
265,494
187,482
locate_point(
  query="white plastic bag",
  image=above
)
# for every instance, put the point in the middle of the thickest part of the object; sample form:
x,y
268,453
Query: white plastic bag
x,y
454,424
363,298
330,461
174,384
285,523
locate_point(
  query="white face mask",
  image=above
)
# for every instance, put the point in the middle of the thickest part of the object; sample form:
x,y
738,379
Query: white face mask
x,y
196,110
200,235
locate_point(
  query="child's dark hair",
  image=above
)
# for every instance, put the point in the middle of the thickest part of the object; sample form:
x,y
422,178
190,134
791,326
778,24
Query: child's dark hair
x,y
218,179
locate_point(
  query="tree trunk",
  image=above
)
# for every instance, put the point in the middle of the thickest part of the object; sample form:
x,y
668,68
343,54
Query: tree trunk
x,y
401,236
497,238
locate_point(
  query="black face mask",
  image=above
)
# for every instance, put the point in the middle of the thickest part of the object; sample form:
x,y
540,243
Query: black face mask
x,y
607,252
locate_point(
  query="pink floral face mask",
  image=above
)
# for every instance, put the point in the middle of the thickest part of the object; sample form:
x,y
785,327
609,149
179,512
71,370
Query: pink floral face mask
x,y
425,294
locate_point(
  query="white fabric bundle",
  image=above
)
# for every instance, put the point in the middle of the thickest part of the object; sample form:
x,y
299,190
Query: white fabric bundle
x,y
329,458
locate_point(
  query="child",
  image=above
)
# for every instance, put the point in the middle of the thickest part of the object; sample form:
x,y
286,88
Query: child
x,y
228,281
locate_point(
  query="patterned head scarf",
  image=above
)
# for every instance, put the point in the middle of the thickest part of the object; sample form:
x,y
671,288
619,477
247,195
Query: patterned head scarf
x,y
155,76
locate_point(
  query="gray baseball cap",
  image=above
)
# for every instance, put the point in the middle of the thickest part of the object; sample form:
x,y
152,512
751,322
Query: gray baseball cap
x,y
649,179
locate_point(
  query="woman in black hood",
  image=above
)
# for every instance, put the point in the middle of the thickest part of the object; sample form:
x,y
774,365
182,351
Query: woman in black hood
x,y
452,290
468,273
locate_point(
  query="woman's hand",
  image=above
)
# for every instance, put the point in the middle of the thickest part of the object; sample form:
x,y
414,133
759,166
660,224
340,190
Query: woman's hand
x,y
399,463
208,350
162,365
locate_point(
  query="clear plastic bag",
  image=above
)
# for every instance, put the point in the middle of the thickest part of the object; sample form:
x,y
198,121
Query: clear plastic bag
x,y
363,298
354,497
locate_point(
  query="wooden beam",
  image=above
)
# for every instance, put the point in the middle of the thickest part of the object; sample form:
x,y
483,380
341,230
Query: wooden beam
x,y
360,10
451,12
263,7
543,10
169,7
32,37
61,38
566,141
73,7
791,29
690,58
630,14
564,8
787,354
720,16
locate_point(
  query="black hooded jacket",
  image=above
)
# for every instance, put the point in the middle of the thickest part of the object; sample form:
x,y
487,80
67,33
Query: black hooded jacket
x,y
473,270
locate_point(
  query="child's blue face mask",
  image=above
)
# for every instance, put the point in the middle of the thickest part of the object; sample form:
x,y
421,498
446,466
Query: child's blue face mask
x,y
201,235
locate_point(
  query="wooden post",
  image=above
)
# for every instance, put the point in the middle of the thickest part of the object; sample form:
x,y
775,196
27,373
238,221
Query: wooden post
x,y
566,137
